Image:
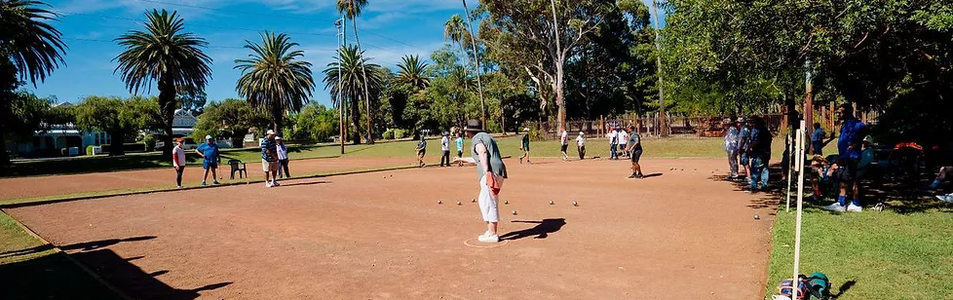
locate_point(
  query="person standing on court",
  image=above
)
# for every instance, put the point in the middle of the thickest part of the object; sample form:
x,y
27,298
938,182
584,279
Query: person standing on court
x,y
445,147
852,133
635,152
564,144
282,158
269,159
613,144
491,173
732,147
524,146
459,145
759,154
623,141
178,161
421,151
745,139
581,145
210,158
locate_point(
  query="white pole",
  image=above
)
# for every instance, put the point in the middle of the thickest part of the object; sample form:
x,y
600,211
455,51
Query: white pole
x,y
800,202
791,150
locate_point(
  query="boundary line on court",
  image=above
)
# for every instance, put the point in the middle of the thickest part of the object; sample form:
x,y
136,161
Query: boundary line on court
x,y
25,202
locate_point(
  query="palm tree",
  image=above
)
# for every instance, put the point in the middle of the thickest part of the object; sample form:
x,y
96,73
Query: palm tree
x,y
274,77
168,55
30,49
456,31
350,74
352,9
476,59
412,72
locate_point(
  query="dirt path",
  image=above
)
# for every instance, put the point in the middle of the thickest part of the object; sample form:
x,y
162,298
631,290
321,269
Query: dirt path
x,y
680,235
38,186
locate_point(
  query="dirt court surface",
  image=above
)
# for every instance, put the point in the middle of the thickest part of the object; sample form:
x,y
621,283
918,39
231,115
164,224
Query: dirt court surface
x,y
683,234
38,186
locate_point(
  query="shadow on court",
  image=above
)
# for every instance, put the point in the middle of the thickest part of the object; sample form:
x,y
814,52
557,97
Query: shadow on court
x,y
541,230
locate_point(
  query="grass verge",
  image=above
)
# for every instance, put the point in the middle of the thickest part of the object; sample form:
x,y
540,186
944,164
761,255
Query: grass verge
x,y
869,255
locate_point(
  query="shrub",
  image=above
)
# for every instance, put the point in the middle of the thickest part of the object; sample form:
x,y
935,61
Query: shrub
x,y
89,150
400,133
388,134
150,141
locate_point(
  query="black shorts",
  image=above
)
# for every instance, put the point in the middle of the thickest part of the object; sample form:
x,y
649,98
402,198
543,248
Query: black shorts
x,y
846,170
636,154
563,148
422,152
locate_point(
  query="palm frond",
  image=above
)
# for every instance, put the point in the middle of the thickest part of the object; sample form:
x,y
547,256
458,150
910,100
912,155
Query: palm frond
x,y
33,46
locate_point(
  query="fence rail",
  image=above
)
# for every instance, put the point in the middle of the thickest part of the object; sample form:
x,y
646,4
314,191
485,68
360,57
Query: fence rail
x,y
649,126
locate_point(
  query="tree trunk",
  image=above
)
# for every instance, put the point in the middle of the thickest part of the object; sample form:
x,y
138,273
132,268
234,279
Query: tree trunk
x,y
167,108
277,115
238,141
356,119
367,94
4,158
116,148
476,59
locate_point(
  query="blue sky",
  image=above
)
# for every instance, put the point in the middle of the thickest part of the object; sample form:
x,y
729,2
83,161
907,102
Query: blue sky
x,y
389,29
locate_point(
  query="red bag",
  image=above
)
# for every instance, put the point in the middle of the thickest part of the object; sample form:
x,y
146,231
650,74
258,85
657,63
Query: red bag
x,y
493,183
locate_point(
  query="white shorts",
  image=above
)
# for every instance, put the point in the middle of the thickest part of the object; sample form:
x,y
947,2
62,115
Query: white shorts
x,y
489,204
269,166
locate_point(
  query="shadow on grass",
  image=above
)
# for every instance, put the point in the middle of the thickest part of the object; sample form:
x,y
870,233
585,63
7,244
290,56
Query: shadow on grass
x,y
843,288
541,230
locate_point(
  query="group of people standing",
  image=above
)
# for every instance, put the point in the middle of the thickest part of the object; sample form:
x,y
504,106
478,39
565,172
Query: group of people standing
x,y
274,159
444,147
749,140
618,139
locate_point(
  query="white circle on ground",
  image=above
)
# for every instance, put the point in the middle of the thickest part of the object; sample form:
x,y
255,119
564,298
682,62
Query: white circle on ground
x,y
474,243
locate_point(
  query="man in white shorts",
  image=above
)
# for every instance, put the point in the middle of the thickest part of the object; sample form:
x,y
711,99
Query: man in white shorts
x,y
269,159
491,172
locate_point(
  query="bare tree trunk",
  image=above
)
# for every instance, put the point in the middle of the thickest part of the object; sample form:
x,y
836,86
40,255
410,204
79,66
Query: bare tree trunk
x,y
167,108
367,94
356,119
116,148
277,114
476,58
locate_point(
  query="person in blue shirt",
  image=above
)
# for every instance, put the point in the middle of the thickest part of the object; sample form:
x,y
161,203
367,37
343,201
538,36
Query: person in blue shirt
x,y
421,151
759,154
852,134
210,158
745,139
269,159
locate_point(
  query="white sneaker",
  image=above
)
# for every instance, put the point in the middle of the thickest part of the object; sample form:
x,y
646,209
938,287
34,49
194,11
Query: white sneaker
x,y
945,198
489,238
854,208
268,184
835,207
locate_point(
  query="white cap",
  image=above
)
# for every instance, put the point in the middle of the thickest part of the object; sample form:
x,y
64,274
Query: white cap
x,y
208,137
277,138
270,132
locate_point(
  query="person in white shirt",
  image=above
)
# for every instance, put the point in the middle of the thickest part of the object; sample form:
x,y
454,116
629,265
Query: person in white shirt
x,y
581,145
445,147
623,140
613,144
282,158
564,143
178,161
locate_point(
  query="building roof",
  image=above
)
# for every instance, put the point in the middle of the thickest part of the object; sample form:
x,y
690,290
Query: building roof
x,y
184,119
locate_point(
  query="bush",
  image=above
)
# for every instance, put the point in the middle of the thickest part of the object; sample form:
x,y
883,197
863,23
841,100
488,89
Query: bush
x,y
536,135
150,142
388,134
64,151
89,150
400,133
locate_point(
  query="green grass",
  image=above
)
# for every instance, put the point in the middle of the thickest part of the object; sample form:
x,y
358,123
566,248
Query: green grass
x,y
875,255
31,270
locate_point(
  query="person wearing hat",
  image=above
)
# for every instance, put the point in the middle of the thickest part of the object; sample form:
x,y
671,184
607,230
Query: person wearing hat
x,y
732,146
564,144
210,158
634,149
269,159
178,161
525,146
445,147
759,154
490,173
421,151
581,145
282,158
